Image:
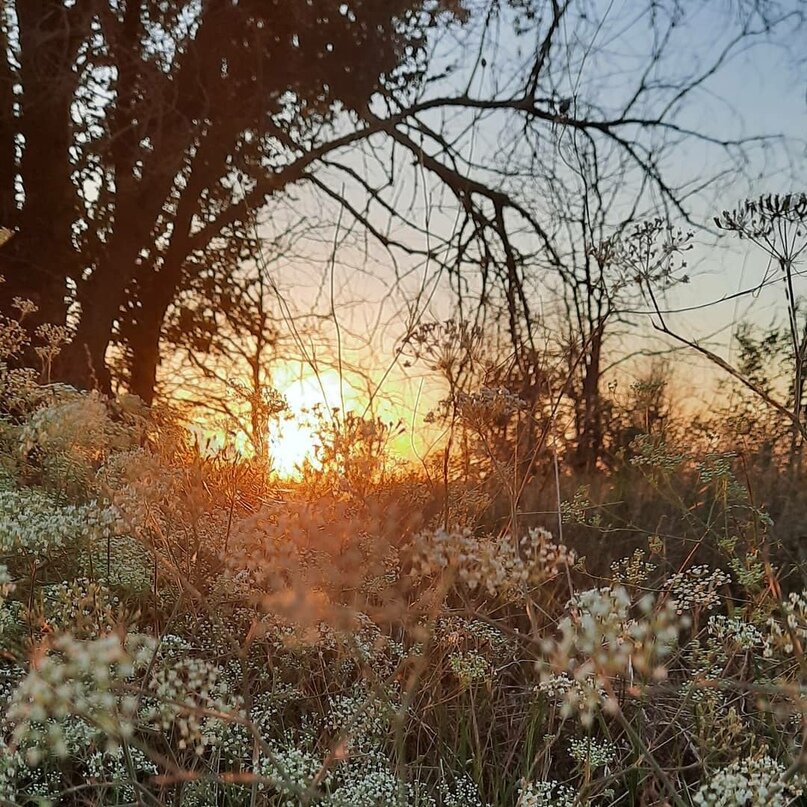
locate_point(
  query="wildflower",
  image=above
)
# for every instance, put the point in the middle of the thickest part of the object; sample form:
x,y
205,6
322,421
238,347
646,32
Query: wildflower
x,y
488,406
633,571
582,695
736,630
369,781
34,523
111,768
360,717
546,794
489,562
696,588
788,633
749,782
291,770
469,667
24,306
605,636
191,697
591,754
81,678
462,792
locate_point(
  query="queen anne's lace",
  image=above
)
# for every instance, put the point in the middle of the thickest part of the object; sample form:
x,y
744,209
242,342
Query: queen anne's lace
x,y
749,783
489,563
546,794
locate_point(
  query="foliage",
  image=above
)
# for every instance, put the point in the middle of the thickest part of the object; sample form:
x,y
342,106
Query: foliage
x,y
176,630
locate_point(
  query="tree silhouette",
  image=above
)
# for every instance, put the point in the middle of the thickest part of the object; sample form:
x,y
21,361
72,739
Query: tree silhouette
x,y
132,130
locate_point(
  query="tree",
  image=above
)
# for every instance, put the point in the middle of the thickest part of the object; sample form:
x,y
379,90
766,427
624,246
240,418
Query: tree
x,y
140,137
132,133
579,143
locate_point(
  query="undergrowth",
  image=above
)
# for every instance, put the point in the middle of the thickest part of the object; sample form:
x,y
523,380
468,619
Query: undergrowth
x,y
176,628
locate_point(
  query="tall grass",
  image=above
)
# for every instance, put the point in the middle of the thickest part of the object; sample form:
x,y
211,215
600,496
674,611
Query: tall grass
x,y
178,628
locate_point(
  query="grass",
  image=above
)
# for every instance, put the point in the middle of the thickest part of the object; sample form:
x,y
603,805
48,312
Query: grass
x,y
180,628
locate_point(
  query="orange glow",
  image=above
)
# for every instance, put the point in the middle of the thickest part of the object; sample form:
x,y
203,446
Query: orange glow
x,y
294,440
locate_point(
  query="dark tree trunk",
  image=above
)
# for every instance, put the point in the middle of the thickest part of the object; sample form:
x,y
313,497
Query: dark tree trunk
x,y
41,255
159,288
590,427
144,342
83,362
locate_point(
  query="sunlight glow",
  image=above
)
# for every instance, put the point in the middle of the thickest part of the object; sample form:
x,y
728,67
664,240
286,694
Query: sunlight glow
x,y
294,440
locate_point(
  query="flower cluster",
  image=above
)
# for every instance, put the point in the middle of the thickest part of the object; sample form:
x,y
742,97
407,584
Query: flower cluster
x,y
546,794
601,639
489,562
469,666
583,695
446,346
633,571
759,781
591,753
192,698
360,718
114,767
790,633
736,630
35,524
290,771
81,678
369,781
696,588
462,792
84,608
487,406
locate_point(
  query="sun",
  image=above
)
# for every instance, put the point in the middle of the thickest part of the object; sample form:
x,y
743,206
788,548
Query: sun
x,y
294,439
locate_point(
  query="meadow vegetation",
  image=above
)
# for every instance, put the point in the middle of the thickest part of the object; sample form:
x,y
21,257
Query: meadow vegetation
x,y
178,626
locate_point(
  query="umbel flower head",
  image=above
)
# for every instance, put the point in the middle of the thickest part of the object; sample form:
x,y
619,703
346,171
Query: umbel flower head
x,y
760,782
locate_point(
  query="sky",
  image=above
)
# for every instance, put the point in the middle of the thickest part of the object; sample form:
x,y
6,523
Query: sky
x,y
349,279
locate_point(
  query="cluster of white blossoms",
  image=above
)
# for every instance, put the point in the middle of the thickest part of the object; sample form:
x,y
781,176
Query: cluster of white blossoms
x,y
546,794
11,763
81,678
290,771
191,697
112,768
34,523
591,753
360,718
462,792
734,630
632,571
123,561
489,562
749,783
73,422
577,695
696,588
82,607
457,632
605,636
469,666
785,635
79,426
368,781
488,405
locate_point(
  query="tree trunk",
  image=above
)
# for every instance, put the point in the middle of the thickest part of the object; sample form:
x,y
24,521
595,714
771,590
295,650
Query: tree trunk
x,y
83,362
144,342
41,254
589,442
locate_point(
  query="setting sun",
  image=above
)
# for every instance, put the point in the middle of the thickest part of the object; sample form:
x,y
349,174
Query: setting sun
x,y
294,439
